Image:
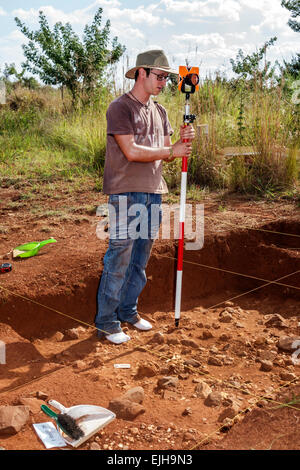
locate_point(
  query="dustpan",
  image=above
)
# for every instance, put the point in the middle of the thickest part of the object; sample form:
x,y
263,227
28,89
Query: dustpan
x,y
90,418
30,249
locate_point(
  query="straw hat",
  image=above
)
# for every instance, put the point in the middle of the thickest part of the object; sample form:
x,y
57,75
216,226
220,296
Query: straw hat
x,y
152,60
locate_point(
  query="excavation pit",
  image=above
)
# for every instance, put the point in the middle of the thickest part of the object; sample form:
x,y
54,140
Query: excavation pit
x,y
233,318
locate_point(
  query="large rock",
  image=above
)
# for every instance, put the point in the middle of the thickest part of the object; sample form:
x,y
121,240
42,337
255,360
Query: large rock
x,y
229,412
34,404
214,399
125,408
167,382
12,419
189,343
289,343
135,394
266,365
276,321
202,390
147,370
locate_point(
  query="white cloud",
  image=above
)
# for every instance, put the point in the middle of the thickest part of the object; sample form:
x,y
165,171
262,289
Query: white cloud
x,y
226,9
54,15
214,39
117,29
2,12
140,15
241,35
275,17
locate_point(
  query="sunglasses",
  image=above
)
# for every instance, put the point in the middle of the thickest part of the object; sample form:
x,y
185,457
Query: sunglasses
x,y
161,77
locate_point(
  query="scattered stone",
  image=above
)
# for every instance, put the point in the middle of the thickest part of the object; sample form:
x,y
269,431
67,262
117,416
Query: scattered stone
x,y
287,376
260,341
189,343
73,333
58,336
225,337
192,363
167,382
206,334
289,362
229,412
33,404
188,436
266,366
158,338
13,418
187,411
228,360
94,446
135,394
125,408
79,364
225,317
202,390
267,355
134,431
42,395
276,321
214,399
228,303
214,361
147,370
288,343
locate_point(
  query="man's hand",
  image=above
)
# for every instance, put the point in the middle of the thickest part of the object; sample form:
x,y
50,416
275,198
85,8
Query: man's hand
x,y
182,149
187,132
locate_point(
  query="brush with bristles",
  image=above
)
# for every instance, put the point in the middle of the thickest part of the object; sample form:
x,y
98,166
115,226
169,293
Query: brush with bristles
x,y
66,423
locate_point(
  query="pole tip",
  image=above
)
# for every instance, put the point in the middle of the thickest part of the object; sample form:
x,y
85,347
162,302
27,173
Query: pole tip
x,y
177,322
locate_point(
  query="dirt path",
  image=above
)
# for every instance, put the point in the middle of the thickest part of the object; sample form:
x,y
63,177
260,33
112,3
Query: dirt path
x,y
227,343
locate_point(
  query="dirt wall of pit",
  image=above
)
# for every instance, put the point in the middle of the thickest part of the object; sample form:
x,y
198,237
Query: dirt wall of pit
x,y
254,254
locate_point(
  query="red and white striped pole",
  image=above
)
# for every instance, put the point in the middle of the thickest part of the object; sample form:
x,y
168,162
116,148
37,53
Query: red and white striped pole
x,y
184,169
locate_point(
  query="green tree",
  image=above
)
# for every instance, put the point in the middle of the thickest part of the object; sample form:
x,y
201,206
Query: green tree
x,y
293,68
294,7
249,66
59,57
27,82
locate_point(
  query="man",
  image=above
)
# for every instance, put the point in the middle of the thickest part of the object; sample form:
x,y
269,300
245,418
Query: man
x,y
138,140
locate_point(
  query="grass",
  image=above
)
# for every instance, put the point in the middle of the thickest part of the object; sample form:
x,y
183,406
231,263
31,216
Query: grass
x,y
42,142
294,401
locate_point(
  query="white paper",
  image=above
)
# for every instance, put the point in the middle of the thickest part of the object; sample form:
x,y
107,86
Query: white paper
x,y
122,366
49,435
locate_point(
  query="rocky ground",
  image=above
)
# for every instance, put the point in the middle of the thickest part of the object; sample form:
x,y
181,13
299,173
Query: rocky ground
x,y
227,378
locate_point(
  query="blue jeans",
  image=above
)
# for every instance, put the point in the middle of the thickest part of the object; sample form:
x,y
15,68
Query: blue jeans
x,y
134,222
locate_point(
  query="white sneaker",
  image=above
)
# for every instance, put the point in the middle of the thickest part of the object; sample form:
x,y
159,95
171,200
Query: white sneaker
x,y
143,325
118,338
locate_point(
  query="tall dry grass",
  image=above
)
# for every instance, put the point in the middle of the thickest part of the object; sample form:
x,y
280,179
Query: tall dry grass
x,y
41,137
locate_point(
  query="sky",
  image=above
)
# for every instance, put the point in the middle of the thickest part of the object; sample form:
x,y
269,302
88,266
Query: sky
x,y
204,33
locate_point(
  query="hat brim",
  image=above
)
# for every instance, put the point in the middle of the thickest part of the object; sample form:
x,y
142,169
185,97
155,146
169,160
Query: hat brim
x,y
131,73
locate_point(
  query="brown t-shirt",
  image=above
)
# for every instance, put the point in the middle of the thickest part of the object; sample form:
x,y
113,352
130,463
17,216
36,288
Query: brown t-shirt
x,y
126,116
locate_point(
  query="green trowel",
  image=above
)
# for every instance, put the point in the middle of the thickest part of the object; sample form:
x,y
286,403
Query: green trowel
x,y
30,249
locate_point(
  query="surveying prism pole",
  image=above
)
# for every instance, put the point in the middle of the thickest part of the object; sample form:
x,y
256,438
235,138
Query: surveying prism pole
x,y
189,83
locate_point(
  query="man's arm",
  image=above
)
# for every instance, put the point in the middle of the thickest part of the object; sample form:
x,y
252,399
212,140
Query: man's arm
x,y
141,153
